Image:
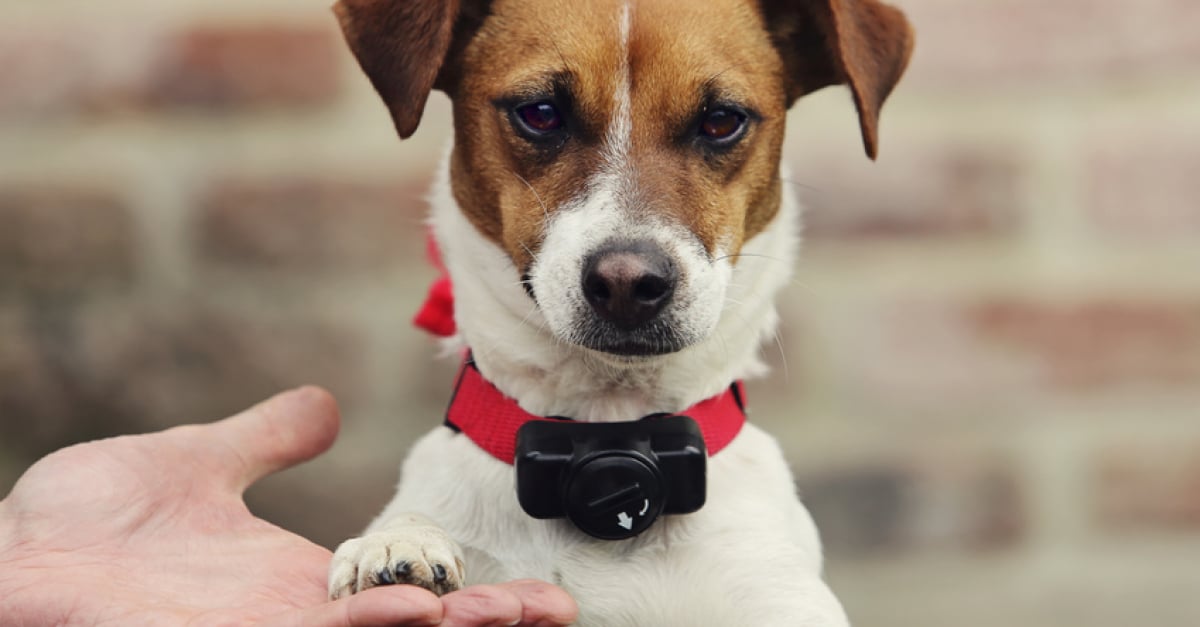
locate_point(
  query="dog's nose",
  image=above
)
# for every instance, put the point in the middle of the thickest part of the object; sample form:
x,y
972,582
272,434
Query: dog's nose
x,y
629,283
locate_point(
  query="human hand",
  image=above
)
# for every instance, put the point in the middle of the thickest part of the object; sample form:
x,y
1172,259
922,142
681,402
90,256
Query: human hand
x,y
152,530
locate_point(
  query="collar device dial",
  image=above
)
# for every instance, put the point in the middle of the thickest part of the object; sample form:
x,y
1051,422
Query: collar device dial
x,y
612,480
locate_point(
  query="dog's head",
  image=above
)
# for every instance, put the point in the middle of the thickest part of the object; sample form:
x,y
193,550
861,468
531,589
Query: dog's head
x,y
621,152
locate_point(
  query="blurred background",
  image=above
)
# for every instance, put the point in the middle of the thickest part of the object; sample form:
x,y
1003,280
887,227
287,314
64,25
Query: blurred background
x,y
989,377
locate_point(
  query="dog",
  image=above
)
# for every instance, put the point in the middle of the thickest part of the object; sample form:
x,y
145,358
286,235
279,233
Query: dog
x,y
613,220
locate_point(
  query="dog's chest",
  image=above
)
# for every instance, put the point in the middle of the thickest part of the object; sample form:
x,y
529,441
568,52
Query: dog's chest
x,y
682,571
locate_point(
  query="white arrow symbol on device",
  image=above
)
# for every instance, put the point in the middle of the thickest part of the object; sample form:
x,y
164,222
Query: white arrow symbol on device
x,y
624,520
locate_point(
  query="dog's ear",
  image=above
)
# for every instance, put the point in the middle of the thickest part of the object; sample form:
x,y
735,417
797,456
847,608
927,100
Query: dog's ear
x,y
406,47
863,43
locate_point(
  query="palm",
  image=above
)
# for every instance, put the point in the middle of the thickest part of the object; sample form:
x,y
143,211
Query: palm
x,y
152,530
195,543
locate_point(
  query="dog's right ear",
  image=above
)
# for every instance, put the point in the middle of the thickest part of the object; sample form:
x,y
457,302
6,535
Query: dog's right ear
x,y
404,46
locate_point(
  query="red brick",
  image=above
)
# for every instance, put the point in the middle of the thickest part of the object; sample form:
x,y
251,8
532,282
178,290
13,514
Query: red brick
x,y
186,361
859,509
1147,486
249,66
968,499
61,237
1145,187
991,357
80,371
72,68
974,503
1098,344
999,44
37,416
49,69
934,192
312,223
918,356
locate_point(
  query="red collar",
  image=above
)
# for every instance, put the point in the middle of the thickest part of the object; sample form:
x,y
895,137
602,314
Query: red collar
x,y
491,419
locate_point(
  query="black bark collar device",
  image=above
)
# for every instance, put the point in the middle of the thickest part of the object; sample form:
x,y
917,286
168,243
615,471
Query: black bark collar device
x,y
612,480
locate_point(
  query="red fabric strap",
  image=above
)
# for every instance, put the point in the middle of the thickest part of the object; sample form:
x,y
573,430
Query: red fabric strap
x,y
437,312
491,419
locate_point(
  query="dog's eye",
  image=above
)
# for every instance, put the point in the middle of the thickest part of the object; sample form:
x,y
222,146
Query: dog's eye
x,y
538,119
723,125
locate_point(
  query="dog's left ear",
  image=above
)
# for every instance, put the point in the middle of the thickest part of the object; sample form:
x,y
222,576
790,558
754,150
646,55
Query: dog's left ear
x,y
863,43
407,47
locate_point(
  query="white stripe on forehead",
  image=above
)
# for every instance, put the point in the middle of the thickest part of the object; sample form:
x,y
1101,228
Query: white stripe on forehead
x,y
620,128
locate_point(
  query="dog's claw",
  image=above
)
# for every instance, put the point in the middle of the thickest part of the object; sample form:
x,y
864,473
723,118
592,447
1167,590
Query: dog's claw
x,y
420,555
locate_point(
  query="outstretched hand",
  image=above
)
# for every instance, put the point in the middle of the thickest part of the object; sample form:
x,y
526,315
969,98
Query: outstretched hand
x,y
152,530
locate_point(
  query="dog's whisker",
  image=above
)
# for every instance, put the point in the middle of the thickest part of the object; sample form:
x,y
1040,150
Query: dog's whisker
x,y
787,374
724,343
532,256
761,349
538,197
804,186
797,282
754,255
730,299
528,315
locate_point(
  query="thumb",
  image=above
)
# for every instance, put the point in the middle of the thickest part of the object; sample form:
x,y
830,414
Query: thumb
x,y
282,431
384,606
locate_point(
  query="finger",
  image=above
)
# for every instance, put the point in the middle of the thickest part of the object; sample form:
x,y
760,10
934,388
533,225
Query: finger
x,y
282,431
543,604
481,606
384,606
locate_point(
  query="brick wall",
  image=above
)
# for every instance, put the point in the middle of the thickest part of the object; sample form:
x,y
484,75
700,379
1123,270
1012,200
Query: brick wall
x,y
991,394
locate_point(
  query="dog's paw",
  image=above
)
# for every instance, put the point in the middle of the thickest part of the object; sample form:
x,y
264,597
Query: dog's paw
x,y
421,555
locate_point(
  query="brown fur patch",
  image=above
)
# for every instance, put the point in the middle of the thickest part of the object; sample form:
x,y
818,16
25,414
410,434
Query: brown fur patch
x,y
682,56
504,185
679,56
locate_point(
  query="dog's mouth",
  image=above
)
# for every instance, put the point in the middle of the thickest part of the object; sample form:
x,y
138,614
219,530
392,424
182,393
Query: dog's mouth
x,y
656,339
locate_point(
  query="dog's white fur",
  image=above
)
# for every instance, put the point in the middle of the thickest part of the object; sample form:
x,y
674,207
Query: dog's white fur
x,y
751,556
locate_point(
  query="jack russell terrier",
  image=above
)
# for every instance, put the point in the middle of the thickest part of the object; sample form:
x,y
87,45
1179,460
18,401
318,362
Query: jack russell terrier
x,y
613,221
